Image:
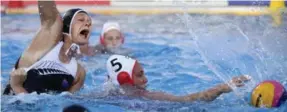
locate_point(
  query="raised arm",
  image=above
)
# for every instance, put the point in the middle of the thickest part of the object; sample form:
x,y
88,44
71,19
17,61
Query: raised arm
x,y
47,37
48,12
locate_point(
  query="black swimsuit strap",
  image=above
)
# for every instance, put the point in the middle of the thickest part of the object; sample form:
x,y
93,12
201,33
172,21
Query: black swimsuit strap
x,y
17,63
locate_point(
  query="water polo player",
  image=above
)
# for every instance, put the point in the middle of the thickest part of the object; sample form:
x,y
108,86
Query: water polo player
x,y
110,41
129,75
49,63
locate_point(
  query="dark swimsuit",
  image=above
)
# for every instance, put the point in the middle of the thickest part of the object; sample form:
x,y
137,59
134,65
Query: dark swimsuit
x,y
44,80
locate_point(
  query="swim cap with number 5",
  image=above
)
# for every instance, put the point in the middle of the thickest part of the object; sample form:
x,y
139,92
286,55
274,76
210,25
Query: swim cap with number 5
x,y
120,69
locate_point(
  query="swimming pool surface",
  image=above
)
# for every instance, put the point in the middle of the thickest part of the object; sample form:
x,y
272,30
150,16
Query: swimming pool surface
x,y
180,53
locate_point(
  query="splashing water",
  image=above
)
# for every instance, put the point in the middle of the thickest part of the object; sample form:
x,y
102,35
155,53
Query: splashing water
x,y
259,50
187,21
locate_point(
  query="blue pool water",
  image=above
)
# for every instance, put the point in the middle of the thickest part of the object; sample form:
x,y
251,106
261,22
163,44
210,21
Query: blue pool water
x,y
181,54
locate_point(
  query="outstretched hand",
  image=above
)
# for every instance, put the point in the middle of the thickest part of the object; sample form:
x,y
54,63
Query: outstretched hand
x,y
237,81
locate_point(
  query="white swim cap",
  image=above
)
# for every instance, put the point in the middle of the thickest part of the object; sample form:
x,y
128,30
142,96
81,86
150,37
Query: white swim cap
x,y
120,69
110,26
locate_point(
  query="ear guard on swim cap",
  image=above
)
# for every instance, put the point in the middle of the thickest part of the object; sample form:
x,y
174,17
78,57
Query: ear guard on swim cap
x,y
124,78
74,47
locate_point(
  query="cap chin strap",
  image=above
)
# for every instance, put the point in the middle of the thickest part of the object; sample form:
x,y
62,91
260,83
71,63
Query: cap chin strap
x,y
125,78
74,47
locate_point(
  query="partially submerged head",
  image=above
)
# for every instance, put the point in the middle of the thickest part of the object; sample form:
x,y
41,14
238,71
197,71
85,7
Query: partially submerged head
x,y
126,71
75,108
111,36
78,24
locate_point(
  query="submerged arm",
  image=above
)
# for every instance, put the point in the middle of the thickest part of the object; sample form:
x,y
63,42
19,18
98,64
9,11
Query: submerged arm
x,y
48,35
207,95
210,94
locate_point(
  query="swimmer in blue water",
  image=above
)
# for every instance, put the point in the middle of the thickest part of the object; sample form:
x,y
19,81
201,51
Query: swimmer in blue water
x,y
49,63
110,41
127,73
